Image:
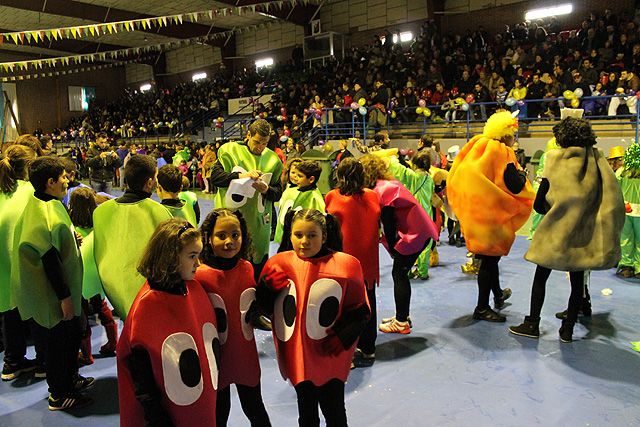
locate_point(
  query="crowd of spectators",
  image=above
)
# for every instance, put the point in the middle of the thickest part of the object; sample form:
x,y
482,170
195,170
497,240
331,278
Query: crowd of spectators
x,y
527,61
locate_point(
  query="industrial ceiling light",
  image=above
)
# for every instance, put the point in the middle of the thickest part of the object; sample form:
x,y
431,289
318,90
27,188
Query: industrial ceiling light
x,y
544,12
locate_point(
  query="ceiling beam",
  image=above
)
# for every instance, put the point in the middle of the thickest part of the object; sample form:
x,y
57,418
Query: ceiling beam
x,y
299,15
102,14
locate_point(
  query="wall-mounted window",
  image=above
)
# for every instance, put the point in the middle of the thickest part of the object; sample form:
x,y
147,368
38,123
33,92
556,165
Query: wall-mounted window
x,y
198,76
80,97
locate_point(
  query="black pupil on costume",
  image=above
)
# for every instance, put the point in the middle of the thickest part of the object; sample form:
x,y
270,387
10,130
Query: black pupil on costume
x,y
221,317
237,197
215,345
289,310
328,311
189,367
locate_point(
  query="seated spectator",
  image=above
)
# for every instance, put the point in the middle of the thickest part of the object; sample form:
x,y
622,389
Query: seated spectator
x,y
628,85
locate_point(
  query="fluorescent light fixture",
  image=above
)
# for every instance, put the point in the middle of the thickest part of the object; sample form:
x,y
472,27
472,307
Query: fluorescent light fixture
x,y
266,62
561,9
198,76
145,87
406,36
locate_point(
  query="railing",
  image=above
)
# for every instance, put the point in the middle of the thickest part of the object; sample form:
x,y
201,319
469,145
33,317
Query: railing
x,y
468,118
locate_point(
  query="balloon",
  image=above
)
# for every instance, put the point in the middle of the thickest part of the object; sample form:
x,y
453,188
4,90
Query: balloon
x,y
220,119
327,148
568,94
218,125
511,101
283,111
306,111
578,92
411,152
287,132
321,142
575,103
284,139
427,112
470,98
312,110
362,102
403,151
362,110
393,113
284,118
318,116
465,107
520,103
355,105
422,103
459,101
419,110
455,91
279,118
426,94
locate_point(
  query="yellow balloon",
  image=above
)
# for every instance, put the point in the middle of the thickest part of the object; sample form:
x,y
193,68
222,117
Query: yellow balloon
x,y
327,148
568,94
427,112
362,102
393,114
575,103
419,110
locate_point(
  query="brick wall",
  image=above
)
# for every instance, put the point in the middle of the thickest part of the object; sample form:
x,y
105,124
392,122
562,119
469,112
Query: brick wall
x,y
44,103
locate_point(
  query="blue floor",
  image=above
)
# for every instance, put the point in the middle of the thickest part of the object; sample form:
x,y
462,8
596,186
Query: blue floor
x,y
450,371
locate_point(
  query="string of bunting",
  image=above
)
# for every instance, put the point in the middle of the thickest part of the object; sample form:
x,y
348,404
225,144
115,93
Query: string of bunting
x,y
96,30
40,64
69,71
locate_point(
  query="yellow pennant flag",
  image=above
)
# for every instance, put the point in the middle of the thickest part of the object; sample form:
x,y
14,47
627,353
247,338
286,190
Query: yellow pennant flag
x,y
92,30
74,32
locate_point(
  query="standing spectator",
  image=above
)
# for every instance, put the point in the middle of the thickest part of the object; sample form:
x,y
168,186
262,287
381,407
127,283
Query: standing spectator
x,y
380,101
102,164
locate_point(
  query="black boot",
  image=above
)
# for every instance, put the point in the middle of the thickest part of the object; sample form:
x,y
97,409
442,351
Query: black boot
x,y
498,302
566,331
585,310
529,328
488,315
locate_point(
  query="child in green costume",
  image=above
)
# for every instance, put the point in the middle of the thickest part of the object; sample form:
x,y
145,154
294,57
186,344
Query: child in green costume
x,y
304,195
630,240
122,227
190,198
82,203
535,216
169,186
46,280
420,184
15,192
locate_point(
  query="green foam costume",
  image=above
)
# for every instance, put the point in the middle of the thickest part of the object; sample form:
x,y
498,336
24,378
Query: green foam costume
x,y
11,206
421,185
91,284
188,197
121,233
42,226
186,212
256,210
630,184
292,198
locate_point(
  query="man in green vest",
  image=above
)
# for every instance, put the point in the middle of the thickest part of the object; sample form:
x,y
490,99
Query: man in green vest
x,y
248,177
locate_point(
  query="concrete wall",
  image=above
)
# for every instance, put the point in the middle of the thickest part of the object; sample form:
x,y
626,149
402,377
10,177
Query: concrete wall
x,y
192,57
138,73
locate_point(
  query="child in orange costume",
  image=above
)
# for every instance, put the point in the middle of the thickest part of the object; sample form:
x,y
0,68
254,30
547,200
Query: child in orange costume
x,y
492,199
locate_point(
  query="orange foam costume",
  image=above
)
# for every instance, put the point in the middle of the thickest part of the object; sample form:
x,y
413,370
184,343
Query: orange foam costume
x,y
488,212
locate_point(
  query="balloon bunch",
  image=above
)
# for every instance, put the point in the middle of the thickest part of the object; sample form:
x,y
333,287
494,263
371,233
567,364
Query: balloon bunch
x,y
425,111
573,97
219,122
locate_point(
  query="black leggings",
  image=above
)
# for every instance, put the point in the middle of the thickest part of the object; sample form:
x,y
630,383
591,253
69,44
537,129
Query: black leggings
x,y
329,396
538,292
367,341
251,402
488,280
401,285
14,333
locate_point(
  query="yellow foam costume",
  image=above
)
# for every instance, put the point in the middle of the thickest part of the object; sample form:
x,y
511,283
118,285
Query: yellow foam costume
x,y
488,212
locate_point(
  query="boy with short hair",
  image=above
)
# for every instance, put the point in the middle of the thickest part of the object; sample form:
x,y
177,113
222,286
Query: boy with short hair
x,y
122,227
48,282
305,195
169,186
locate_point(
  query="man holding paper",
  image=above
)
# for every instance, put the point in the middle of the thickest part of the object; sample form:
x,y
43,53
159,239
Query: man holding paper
x,y
248,178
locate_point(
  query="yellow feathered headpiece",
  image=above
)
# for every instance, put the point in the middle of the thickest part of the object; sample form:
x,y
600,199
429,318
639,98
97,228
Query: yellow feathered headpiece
x,y
500,125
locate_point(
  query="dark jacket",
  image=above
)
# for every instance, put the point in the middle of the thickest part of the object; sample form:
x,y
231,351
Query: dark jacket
x,y
102,169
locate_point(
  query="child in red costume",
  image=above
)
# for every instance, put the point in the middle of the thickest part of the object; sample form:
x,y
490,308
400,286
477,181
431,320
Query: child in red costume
x,y
169,347
320,310
227,277
358,211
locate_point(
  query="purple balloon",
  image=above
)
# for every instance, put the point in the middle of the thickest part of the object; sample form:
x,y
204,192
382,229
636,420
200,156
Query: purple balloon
x,y
321,142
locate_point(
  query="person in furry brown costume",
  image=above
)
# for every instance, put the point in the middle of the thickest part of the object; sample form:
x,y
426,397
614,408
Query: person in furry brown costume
x,y
584,214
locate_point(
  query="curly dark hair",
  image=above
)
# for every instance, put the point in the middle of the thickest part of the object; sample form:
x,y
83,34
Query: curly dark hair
x,y
572,132
209,224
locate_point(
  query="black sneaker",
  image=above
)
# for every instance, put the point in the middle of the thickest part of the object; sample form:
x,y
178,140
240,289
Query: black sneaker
x,y
11,371
498,302
488,315
362,360
40,372
71,401
529,328
83,383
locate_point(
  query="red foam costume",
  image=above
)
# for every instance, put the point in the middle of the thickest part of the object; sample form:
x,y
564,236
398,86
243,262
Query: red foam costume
x,y
232,292
177,331
359,217
320,291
